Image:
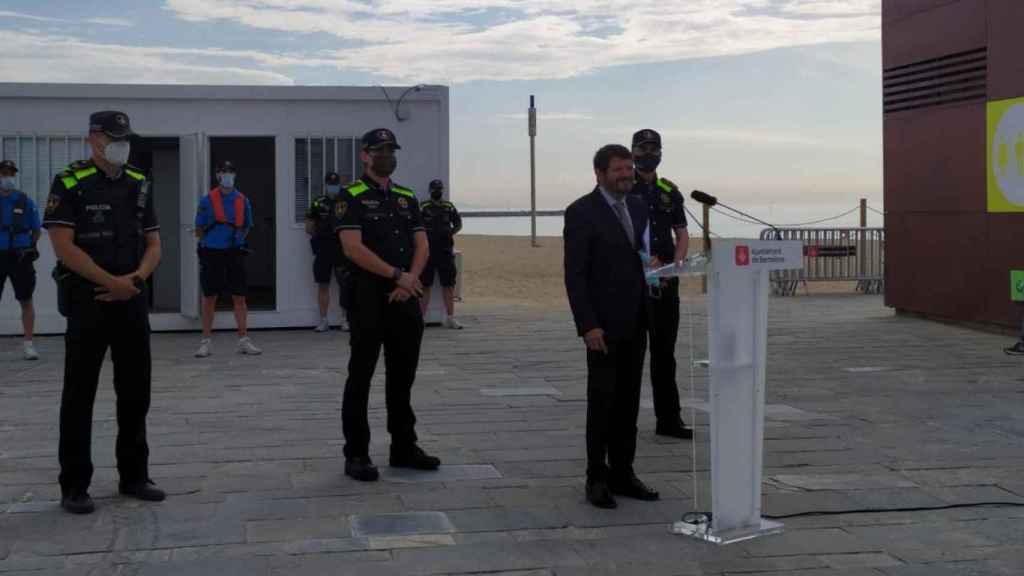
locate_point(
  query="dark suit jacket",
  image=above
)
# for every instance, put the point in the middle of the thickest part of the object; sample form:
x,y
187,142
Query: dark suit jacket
x,y
604,276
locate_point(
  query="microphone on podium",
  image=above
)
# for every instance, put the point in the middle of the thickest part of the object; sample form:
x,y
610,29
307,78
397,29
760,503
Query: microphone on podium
x,y
705,198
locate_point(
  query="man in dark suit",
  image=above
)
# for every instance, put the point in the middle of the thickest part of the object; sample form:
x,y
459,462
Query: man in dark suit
x,y
604,278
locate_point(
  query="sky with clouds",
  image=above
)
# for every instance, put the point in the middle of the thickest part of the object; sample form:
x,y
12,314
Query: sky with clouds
x,y
775,104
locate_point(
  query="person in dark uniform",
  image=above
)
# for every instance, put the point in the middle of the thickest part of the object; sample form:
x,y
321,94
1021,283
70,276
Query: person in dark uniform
x,y
223,222
106,237
604,280
382,233
443,222
327,256
19,233
668,218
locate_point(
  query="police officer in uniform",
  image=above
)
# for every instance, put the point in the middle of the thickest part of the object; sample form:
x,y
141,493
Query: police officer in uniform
x,y
19,233
382,233
104,232
443,222
667,218
327,256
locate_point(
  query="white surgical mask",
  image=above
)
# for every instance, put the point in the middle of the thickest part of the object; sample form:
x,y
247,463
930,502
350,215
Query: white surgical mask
x,y
333,189
117,152
8,183
227,180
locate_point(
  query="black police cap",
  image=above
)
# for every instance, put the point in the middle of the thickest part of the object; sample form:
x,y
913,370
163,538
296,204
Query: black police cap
x,y
9,165
226,166
434,184
380,137
332,178
112,123
646,136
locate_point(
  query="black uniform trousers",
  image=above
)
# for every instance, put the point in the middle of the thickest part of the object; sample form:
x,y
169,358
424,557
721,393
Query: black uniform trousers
x,y
399,331
663,332
92,328
613,403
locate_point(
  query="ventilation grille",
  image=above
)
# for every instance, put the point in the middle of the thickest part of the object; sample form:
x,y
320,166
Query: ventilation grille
x,y
961,77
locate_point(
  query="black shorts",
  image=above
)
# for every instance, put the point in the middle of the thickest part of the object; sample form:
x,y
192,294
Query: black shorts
x,y
22,274
444,264
221,270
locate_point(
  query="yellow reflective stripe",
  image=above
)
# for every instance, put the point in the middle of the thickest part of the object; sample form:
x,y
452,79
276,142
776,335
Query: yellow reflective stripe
x,y
357,189
131,173
403,191
664,185
84,173
69,182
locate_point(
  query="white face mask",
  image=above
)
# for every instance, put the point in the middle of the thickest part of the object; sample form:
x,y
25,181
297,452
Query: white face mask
x,y
117,152
227,180
8,182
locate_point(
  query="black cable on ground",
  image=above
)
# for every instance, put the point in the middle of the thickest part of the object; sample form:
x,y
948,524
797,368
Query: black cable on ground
x,y
883,510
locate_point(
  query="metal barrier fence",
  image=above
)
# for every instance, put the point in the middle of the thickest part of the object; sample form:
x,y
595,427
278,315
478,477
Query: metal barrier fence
x,y
833,254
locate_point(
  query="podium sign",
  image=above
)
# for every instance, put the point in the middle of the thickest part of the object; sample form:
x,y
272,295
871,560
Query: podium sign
x,y
738,285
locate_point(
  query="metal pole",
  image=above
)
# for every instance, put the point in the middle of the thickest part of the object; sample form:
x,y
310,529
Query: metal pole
x,y
533,173
707,244
862,244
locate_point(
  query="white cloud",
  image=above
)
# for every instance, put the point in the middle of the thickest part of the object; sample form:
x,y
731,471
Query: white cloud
x,y
550,116
460,40
120,22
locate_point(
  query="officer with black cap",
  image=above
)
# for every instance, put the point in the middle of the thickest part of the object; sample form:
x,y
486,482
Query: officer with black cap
x,y
443,222
19,233
667,218
105,234
327,255
382,233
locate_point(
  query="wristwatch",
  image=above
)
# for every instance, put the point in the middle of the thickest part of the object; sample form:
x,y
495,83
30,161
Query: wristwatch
x,y
396,274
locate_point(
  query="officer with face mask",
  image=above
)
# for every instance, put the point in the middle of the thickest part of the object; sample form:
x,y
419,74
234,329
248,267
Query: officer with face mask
x,y
19,233
223,222
667,218
327,256
382,233
443,222
104,232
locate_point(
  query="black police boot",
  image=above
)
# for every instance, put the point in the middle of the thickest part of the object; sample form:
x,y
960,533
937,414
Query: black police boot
x,y
676,429
78,503
361,468
145,490
599,495
630,486
413,457
1015,350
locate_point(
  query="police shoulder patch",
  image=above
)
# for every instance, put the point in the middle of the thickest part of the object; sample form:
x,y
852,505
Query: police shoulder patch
x,y
52,202
340,208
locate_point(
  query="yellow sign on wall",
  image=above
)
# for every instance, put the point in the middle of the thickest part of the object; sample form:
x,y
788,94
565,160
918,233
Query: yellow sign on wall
x,y
1005,155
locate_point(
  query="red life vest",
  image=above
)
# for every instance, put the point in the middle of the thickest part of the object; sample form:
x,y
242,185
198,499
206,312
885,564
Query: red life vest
x,y
217,201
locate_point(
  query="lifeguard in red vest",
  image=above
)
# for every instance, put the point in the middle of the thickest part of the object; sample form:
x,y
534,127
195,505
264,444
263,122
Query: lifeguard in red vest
x,y
223,222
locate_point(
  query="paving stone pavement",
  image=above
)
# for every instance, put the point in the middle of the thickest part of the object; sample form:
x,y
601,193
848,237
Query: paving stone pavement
x,y
866,411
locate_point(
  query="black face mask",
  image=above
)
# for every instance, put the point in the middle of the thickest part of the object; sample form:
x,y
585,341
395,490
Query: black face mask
x,y
436,194
384,165
647,162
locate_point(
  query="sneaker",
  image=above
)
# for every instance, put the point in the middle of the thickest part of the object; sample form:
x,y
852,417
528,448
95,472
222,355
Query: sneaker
x,y
143,491
80,503
30,351
1015,350
323,326
204,348
452,323
245,346
343,326
413,457
361,468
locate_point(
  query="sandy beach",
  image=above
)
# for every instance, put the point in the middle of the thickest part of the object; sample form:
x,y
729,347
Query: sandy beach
x,y
506,270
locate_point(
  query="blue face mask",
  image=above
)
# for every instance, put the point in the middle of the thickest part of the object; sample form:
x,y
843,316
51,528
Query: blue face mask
x,y
227,180
8,182
333,189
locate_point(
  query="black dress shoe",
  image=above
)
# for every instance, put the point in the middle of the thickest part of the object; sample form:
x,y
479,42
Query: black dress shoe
x,y
361,468
632,487
599,495
675,429
413,457
79,503
143,491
